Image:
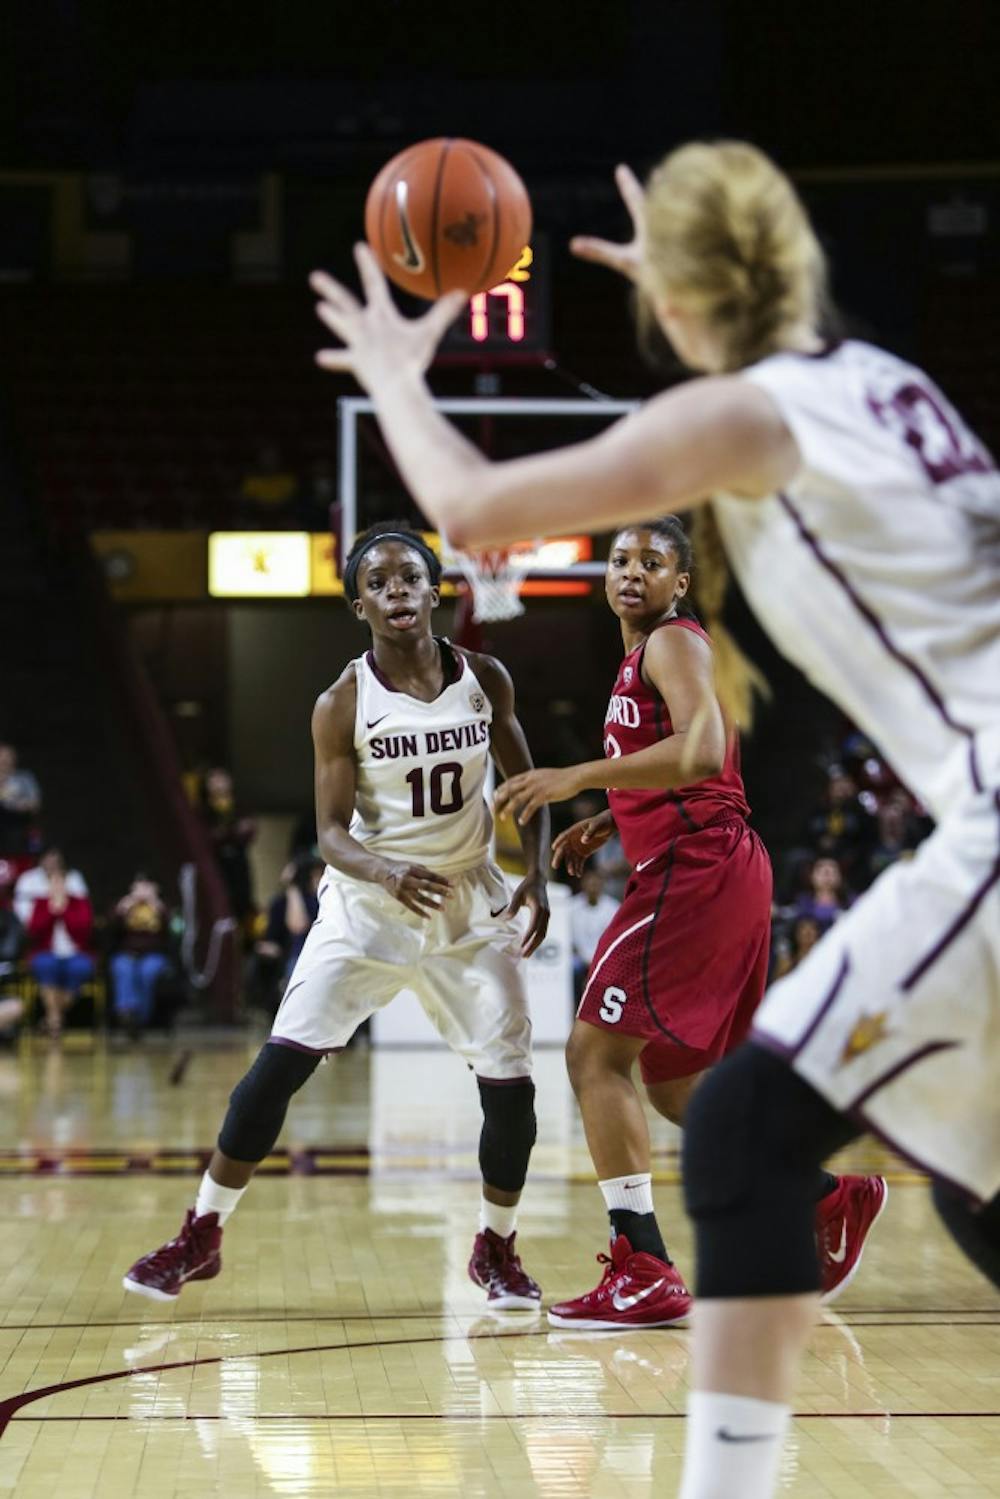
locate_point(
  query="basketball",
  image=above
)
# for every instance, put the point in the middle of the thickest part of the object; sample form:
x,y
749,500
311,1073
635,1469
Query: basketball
x,y
447,215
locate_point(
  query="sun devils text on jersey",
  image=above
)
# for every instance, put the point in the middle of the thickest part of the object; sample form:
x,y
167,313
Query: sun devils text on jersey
x,y
422,768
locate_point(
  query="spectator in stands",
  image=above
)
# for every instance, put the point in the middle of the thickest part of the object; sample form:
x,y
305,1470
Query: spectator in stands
x,y
20,802
842,827
826,898
269,488
140,933
60,934
590,911
12,943
231,835
788,954
34,883
290,914
898,832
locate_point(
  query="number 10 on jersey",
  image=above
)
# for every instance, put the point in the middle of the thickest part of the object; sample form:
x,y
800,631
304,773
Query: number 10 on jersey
x,y
444,785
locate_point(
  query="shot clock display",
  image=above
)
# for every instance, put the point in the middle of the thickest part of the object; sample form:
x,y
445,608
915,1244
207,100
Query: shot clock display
x,y
510,322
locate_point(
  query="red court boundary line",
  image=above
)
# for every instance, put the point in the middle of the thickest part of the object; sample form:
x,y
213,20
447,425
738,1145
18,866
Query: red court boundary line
x,y
14,1403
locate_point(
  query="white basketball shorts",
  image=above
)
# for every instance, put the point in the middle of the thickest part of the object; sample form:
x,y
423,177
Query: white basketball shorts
x,y
462,963
894,1017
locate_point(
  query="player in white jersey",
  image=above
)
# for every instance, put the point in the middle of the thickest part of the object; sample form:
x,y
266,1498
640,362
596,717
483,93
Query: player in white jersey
x,y
863,520
409,900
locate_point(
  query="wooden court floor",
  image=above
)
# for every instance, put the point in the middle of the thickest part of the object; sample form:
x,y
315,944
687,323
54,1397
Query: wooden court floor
x,y
344,1351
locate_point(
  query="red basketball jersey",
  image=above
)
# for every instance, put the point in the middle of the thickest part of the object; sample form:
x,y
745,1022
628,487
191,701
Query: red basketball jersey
x,y
637,718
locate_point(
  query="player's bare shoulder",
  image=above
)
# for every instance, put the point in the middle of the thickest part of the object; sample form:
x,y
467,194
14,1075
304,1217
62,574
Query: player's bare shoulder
x,y
493,676
334,712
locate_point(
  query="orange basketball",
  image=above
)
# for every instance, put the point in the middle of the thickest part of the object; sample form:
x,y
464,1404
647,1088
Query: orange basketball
x,y
447,215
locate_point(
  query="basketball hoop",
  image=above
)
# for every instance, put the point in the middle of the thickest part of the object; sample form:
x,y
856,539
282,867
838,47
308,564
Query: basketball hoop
x,y
495,575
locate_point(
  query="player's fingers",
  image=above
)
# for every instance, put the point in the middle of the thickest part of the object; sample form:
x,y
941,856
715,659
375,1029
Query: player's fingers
x,y
337,319
331,290
535,935
501,796
558,856
431,876
372,278
336,360
632,192
602,251
529,805
444,312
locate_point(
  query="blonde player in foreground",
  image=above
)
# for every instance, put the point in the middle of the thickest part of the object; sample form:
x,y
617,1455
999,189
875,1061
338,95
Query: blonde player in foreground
x,y
862,518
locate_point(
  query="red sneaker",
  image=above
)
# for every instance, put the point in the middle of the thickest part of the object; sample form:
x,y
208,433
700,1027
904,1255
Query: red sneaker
x,y
844,1219
193,1255
637,1290
499,1271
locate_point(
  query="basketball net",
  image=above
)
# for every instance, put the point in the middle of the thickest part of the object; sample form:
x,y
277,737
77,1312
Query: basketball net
x,y
494,575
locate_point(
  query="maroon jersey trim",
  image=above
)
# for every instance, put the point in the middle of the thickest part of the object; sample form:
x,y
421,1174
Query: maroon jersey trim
x,y
449,676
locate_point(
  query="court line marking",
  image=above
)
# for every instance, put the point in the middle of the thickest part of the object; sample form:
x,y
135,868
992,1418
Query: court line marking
x,y
15,1403
894,1319
528,1416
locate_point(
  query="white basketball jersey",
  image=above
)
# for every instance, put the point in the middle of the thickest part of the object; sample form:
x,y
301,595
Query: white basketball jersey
x,y
878,570
422,769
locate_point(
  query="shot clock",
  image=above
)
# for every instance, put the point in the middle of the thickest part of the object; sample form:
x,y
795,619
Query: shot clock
x,y
509,323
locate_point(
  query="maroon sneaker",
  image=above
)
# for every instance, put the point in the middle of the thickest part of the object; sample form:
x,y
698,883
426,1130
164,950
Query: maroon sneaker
x,y
844,1219
495,1267
193,1255
637,1290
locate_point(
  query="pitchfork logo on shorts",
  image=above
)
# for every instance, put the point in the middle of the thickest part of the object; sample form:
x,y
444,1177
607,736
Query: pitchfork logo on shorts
x,y
477,702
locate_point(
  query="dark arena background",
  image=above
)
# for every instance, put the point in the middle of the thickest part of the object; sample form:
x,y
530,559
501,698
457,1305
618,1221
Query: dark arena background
x,y
178,485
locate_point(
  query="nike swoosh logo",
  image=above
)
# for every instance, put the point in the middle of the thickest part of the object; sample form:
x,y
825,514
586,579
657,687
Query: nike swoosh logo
x,y
724,1435
498,913
633,1186
372,723
841,1255
413,259
644,862
622,1303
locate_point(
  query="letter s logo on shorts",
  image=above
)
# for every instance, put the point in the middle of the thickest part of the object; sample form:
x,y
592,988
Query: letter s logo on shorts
x,y
612,1005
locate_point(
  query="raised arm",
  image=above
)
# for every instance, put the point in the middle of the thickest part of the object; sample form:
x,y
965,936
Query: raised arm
x,y
417,888
716,434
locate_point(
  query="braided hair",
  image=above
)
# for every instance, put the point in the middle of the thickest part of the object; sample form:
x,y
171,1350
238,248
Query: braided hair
x,y
389,530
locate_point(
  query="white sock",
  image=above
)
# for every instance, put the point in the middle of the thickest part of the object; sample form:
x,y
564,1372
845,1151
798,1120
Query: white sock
x,y
215,1199
499,1219
635,1192
733,1446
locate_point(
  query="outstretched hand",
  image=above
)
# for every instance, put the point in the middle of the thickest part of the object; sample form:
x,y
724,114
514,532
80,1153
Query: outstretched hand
x,y
379,343
522,795
626,259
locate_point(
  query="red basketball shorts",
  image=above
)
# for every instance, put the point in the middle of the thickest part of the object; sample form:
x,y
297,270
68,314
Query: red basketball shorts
x,y
684,961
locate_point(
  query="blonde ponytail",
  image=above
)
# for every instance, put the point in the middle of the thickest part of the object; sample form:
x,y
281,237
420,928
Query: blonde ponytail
x,y
727,237
738,682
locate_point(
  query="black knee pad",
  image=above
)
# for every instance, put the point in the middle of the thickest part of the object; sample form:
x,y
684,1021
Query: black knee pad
x,y
755,1134
976,1230
508,1132
258,1103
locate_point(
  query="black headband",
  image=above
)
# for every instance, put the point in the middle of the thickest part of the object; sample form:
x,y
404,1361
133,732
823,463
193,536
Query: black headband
x,y
416,542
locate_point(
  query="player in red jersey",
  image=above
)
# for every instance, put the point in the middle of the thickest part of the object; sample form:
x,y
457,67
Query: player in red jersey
x,y
682,967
